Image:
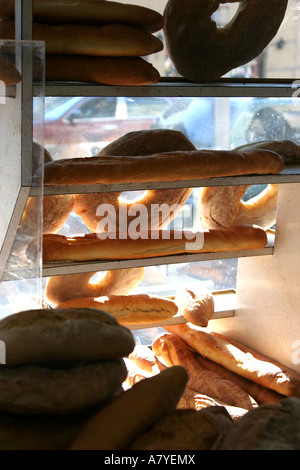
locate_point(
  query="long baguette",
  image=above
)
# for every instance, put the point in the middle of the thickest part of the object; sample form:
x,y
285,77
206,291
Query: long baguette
x,y
240,359
90,247
166,166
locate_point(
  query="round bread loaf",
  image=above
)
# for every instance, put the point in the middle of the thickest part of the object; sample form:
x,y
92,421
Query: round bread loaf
x,y
40,336
33,389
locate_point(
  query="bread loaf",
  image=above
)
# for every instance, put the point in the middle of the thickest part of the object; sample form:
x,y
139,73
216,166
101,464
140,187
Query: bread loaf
x,y
107,40
40,336
166,166
132,412
92,12
239,358
90,247
9,74
128,309
174,351
195,305
102,70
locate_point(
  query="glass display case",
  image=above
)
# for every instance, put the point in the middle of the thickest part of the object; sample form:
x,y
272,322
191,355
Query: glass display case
x,y
22,161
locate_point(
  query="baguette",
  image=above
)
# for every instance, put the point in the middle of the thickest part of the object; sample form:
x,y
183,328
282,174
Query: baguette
x,y
90,247
132,412
165,166
259,393
128,309
92,12
288,150
108,40
239,358
174,351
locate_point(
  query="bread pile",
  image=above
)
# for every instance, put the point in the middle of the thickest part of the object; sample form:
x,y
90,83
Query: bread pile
x,y
96,41
60,366
221,370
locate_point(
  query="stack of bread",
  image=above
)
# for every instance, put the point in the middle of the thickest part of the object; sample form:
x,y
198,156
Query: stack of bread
x,y
60,366
93,40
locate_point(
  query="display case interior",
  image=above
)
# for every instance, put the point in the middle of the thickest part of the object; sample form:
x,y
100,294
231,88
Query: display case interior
x,y
21,171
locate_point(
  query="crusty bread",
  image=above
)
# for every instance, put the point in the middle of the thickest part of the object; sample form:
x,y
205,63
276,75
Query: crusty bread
x,y
137,143
145,358
35,389
166,166
90,247
102,70
185,430
128,309
108,40
268,427
174,351
195,305
93,12
288,150
239,358
40,336
132,412
223,206
202,52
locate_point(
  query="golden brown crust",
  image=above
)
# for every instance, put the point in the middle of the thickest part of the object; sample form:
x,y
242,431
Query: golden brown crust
x,y
33,389
166,166
108,40
202,52
240,359
195,305
89,12
90,247
223,207
129,309
102,70
73,286
40,336
145,359
174,351
132,412
288,150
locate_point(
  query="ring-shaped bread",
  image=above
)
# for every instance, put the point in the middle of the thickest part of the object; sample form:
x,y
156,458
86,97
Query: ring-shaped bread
x,y
222,206
74,286
134,144
201,51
